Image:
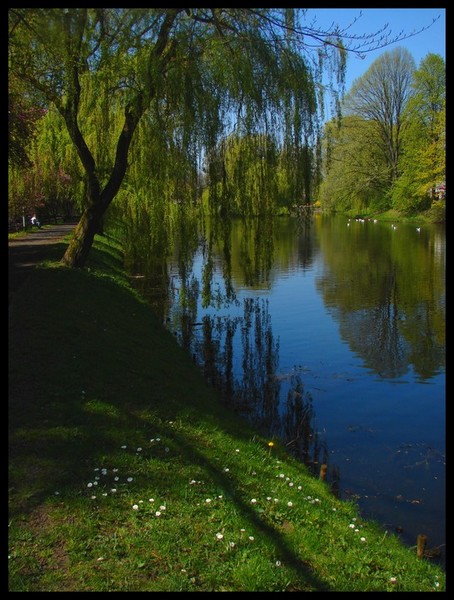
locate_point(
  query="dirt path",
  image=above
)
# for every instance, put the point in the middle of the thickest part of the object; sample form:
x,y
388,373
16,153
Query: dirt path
x,y
26,252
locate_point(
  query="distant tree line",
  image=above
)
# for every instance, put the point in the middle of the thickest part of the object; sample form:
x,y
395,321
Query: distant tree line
x,y
388,150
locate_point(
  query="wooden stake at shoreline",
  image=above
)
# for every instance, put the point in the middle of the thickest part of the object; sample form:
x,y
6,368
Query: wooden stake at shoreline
x,y
421,545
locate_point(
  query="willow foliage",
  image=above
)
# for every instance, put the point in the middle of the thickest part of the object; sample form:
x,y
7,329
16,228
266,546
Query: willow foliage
x,y
148,96
357,173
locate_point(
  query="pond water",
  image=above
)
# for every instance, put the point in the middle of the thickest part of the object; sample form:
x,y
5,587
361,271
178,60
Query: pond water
x,y
328,335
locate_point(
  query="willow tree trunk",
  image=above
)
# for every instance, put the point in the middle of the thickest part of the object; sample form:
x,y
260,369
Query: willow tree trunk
x,y
98,201
82,241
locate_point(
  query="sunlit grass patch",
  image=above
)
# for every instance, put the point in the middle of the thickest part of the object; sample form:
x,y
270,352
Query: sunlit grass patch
x,y
102,408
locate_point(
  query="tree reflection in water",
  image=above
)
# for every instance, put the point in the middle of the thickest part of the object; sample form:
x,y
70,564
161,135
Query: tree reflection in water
x,y
256,394
299,433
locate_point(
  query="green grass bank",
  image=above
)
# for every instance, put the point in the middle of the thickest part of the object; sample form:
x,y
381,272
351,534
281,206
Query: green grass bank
x,y
436,214
127,474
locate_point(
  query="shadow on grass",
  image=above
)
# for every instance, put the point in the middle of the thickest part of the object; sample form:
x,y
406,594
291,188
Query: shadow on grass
x,y
91,369
23,258
230,486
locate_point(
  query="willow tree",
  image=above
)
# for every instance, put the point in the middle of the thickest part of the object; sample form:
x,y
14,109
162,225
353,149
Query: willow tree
x,y
199,69
356,170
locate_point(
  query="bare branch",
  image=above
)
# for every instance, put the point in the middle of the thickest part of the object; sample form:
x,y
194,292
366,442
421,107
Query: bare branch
x,y
334,36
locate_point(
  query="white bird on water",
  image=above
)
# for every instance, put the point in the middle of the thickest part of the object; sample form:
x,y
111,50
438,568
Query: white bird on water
x,y
418,229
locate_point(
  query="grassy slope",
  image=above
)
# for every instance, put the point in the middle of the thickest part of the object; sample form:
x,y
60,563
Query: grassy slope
x,y
99,390
435,214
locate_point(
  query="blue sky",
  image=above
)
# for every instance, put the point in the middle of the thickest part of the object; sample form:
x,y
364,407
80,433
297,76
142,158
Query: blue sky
x,y
399,19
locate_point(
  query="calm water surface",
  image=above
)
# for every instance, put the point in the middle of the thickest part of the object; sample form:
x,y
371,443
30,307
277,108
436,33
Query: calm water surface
x,y
330,336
